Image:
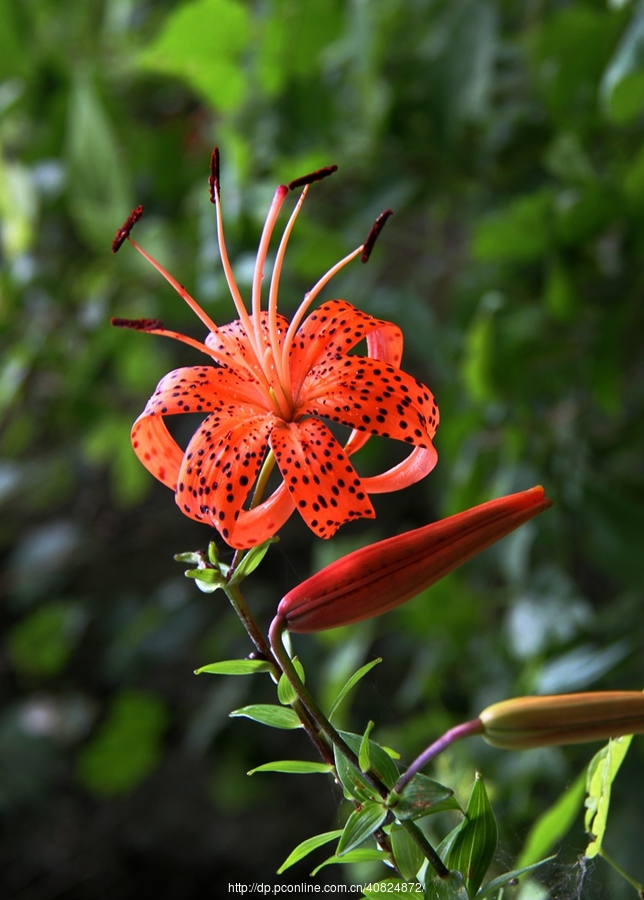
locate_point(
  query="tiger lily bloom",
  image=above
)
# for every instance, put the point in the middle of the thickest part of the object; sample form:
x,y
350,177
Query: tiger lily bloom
x,y
264,398
381,576
526,722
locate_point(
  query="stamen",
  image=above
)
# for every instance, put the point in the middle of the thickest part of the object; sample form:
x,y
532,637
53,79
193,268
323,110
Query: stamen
x,y
242,312
155,326
123,232
213,181
262,250
138,324
372,237
318,175
309,297
280,360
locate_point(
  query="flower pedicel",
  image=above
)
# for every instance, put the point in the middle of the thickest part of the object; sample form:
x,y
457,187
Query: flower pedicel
x,y
264,394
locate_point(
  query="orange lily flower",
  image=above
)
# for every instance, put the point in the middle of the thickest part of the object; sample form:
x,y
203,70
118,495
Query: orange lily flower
x,y
377,578
264,398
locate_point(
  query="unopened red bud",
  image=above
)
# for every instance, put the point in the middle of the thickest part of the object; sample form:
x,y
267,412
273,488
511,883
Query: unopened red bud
x,y
526,722
377,578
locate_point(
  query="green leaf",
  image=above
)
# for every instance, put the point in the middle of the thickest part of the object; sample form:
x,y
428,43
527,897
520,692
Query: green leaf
x,y
602,770
473,842
493,886
252,559
363,854
269,714
452,887
355,678
361,824
285,691
234,667
554,823
307,847
381,765
407,854
422,797
203,43
293,766
363,753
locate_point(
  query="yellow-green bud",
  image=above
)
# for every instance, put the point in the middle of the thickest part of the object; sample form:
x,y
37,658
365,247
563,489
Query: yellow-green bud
x,y
526,722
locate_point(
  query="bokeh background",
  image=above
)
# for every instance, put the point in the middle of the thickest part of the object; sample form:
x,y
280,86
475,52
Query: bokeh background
x,y
507,137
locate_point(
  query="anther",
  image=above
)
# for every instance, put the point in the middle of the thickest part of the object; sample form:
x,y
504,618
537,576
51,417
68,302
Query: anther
x,y
372,237
213,181
318,175
123,232
139,324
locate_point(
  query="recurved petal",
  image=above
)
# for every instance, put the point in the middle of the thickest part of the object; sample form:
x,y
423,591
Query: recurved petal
x,y
334,329
324,486
371,396
156,448
219,468
263,521
419,463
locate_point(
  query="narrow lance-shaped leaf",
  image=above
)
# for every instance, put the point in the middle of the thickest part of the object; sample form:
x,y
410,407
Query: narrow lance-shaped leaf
x,y
269,714
364,758
361,824
234,667
473,845
355,678
293,767
308,846
408,856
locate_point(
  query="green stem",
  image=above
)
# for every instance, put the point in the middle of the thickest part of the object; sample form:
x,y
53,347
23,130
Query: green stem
x,y
278,626
611,862
238,603
276,630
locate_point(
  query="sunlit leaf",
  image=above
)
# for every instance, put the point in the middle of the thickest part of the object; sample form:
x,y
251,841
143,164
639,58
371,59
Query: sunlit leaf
x,y
602,770
234,667
407,854
294,767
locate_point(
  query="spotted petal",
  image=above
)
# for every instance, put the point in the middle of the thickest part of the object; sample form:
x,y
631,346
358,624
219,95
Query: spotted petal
x,y
370,396
334,329
220,466
324,485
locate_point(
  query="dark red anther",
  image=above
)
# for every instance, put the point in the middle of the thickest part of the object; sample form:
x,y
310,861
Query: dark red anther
x,y
318,175
139,324
372,237
213,181
124,231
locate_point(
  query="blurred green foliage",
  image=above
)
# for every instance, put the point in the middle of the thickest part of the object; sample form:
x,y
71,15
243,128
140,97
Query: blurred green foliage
x,y
507,136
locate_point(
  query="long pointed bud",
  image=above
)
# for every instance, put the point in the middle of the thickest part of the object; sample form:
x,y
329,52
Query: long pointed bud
x,y
384,575
526,722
